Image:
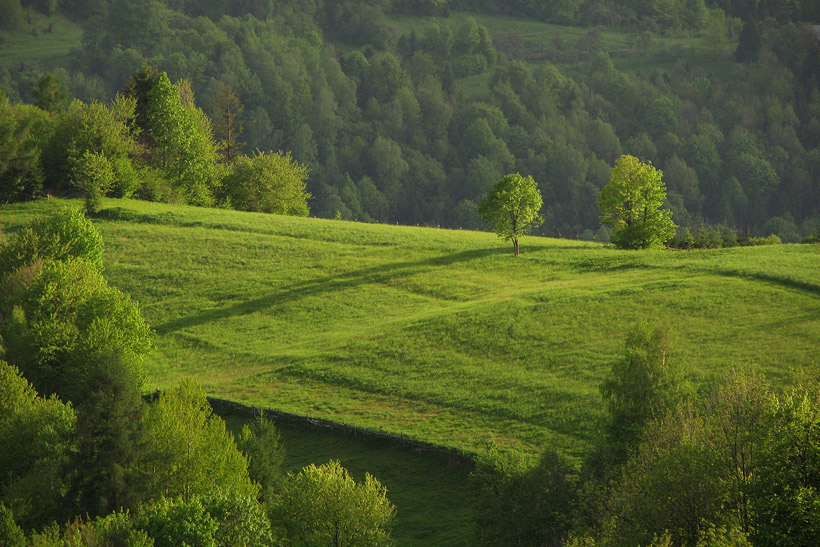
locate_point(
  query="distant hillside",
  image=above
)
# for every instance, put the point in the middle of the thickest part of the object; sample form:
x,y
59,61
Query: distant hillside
x,y
438,334
408,111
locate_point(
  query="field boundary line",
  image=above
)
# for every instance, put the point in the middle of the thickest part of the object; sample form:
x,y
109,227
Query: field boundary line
x,y
419,447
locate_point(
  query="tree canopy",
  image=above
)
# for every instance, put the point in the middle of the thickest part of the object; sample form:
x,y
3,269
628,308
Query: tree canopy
x,y
511,208
631,203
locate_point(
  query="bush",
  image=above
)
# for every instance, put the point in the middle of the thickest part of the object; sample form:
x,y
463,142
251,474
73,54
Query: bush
x,y
63,321
172,523
65,234
91,150
267,183
320,503
524,507
768,240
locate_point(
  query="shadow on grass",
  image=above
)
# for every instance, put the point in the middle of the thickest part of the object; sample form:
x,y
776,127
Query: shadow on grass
x,y
779,280
323,285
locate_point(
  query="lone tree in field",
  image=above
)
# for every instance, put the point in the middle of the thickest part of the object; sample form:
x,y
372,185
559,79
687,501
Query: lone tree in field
x,y
631,202
511,208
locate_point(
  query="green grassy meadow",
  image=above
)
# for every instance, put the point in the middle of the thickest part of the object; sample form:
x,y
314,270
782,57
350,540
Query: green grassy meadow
x,y
48,40
437,334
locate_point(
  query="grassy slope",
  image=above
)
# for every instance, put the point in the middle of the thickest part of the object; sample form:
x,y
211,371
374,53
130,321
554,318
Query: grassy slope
x,y
439,334
47,47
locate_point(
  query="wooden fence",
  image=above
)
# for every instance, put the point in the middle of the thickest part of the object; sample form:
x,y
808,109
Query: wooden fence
x,y
457,457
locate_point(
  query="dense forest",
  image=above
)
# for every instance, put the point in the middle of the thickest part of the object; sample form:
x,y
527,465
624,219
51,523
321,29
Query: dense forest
x,y
391,132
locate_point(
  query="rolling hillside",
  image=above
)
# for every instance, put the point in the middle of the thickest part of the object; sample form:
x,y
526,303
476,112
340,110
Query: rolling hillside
x,y
440,335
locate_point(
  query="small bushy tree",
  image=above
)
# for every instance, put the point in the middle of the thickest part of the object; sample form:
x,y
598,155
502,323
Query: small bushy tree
x,y
36,440
511,208
324,506
261,443
24,129
63,321
267,183
92,151
643,386
631,203
191,452
63,235
176,522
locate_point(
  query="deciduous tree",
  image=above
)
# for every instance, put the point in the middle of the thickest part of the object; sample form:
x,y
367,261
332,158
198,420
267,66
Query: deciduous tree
x,y
324,506
511,208
631,203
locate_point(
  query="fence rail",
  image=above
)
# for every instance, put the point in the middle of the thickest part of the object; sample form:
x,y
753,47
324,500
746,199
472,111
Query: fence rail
x,y
419,447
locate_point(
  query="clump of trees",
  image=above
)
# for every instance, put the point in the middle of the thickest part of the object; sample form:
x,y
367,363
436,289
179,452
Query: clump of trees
x,y
81,447
150,141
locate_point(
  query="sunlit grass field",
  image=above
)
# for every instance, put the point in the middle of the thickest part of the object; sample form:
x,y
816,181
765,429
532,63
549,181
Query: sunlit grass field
x,y
440,335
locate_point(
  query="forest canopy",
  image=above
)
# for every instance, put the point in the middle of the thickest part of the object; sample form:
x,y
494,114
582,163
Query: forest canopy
x,y
414,124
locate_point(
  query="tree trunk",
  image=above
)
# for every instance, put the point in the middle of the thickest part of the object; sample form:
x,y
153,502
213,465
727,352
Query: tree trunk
x,y
515,245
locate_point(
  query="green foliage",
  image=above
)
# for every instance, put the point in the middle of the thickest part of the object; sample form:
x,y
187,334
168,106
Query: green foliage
x,y
519,506
62,235
670,486
11,535
35,434
261,444
267,183
324,506
631,203
190,451
92,150
748,46
178,136
240,520
642,387
23,131
62,321
724,536
114,530
94,176
787,490
511,208
175,522
227,123
105,471
49,94
12,14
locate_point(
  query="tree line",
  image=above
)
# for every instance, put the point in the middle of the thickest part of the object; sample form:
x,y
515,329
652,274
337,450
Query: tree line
x,y
393,131
87,461
150,142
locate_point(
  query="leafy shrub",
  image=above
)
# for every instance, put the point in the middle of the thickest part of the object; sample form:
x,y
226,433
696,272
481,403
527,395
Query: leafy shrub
x,y
174,522
267,183
65,234
92,150
768,240
64,320
320,503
